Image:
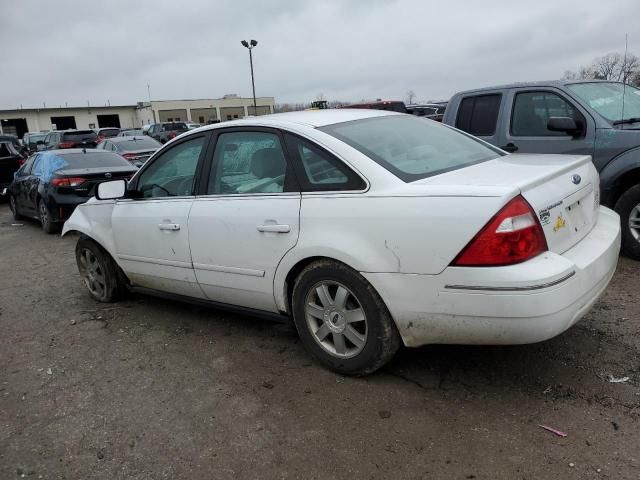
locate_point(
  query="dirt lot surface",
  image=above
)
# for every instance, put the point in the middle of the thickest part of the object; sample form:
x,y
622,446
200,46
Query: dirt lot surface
x,y
153,389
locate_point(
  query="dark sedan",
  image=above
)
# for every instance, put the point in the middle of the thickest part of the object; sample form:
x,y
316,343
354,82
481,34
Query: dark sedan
x,y
135,149
50,185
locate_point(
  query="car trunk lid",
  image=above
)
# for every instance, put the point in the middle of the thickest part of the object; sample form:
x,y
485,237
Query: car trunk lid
x,y
563,190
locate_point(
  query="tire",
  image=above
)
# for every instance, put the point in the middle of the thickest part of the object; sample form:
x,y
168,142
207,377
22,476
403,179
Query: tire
x,y
329,301
102,277
13,205
44,215
628,207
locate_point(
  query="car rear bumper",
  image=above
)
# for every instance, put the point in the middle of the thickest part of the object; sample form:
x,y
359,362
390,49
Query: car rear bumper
x,y
525,303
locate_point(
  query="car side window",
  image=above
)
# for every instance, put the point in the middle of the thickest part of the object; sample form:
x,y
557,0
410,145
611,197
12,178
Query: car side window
x,y
318,170
248,162
532,110
37,168
26,169
478,115
173,173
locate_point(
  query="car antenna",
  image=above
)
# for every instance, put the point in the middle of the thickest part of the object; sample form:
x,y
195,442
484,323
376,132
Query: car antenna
x,y
624,73
84,150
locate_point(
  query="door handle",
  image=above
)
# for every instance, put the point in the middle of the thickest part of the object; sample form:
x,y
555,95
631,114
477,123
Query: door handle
x,y
169,226
510,147
276,228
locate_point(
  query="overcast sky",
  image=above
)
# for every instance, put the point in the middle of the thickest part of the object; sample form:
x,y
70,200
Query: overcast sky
x,y
74,51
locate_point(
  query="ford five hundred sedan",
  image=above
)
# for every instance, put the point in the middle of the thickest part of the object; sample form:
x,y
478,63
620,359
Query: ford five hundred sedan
x,y
368,229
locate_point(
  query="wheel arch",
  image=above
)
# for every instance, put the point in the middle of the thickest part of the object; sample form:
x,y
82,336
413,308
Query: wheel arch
x,y
290,267
619,175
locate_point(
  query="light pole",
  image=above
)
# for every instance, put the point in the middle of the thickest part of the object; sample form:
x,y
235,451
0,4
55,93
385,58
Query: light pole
x,y
249,46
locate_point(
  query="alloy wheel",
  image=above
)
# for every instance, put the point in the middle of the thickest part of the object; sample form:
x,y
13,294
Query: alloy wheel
x,y
336,319
44,214
634,222
92,273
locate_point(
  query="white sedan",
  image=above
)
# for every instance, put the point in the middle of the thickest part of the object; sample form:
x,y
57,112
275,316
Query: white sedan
x,y
368,229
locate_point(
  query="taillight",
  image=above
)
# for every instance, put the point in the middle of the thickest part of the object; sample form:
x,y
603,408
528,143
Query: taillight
x,y
513,235
129,156
171,135
21,161
66,145
67,181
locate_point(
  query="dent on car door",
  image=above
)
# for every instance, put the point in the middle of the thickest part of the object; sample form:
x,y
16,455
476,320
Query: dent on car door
x,y
529,113
150,232
246,220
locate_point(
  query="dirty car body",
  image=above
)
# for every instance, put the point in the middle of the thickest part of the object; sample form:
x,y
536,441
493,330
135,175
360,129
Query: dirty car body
x,y
291,214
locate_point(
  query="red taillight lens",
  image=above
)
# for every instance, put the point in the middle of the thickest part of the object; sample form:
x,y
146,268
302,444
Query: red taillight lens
x,y
129,156
513,235
171,135
66,145
67,181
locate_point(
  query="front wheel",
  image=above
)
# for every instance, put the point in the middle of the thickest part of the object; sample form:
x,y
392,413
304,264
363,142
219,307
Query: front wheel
x,y
342,320
628,207
99,272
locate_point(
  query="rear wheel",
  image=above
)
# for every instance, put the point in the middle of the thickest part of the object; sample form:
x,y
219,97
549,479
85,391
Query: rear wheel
x,y
99,272
13,205
342,320
628,207
44,214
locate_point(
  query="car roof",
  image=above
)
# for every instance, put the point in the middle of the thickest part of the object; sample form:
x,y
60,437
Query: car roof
x,y
88,151
309,118
129,138
541,83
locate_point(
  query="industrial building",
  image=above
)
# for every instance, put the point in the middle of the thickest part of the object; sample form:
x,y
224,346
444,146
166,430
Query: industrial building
x,y
214,110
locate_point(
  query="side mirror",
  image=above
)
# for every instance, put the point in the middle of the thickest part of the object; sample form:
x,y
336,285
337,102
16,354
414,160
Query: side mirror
x,y
562,124
111,190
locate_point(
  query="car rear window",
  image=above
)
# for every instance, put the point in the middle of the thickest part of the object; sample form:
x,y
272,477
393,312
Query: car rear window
x,y
79,135
93,159
410,147
169,127
138,144
109,132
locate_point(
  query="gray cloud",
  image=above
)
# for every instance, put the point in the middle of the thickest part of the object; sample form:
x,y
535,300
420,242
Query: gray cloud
x,y
79,51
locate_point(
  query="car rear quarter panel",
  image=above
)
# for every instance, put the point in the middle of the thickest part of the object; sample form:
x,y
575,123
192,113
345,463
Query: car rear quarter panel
x,y
382,234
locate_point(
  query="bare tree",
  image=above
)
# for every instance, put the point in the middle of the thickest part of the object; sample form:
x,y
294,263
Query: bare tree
x,y
613,66
411,95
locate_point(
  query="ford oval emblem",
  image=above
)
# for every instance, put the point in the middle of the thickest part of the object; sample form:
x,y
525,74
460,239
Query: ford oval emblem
x,y
108,175
576,179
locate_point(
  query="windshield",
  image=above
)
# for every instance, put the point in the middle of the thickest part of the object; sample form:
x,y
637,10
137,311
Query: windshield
x,y
138,143
35,137
92,159
410,147
169,127
606,99
109,132
79,135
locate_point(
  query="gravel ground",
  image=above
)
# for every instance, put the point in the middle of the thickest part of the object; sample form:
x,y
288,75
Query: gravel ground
x,y
152,389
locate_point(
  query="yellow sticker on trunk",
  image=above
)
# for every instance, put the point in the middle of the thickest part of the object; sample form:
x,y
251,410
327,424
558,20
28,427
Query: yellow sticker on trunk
x,y
560,223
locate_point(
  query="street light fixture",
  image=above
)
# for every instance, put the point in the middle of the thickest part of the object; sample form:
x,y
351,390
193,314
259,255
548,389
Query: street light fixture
x,y
249,45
